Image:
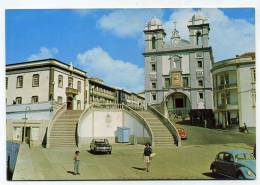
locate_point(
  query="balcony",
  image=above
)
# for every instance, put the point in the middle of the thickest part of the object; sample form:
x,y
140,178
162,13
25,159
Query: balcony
x,y
220,86
232,107
102,94
221,106
71,91
231,85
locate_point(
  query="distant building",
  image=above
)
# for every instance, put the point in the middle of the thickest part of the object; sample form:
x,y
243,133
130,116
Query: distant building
x,y
142,94
234,91
132,100
178,74
100,92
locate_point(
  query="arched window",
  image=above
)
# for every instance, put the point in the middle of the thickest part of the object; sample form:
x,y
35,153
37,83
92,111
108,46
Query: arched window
x,y
153,42
198,39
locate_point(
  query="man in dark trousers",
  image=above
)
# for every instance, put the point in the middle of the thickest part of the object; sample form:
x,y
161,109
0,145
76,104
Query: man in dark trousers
x,y
147,156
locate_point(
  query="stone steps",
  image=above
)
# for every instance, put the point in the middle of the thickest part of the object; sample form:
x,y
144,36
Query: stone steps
x,y
162,136
63,132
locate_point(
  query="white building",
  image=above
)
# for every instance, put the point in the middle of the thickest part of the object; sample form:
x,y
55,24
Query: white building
x,y
178,74
34,90
234,91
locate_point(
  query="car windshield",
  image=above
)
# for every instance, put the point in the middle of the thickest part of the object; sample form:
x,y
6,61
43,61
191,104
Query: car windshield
x,y
101,141
245,157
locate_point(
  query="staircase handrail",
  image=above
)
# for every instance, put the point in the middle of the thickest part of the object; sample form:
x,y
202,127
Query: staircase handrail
x,y
56,114
107,105
173,130
87,108
138,116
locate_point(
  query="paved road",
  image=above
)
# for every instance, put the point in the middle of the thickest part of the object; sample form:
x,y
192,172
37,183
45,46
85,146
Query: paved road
x,y
125,162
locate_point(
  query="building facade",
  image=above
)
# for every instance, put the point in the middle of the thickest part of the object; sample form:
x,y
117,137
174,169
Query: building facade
x,y
45,80
100,92
234,91
132,100
178,74
33,92
36,89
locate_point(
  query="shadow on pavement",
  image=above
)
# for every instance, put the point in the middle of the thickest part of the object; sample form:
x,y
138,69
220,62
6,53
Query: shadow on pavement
x,y
138,168
98,153
71,172
215,176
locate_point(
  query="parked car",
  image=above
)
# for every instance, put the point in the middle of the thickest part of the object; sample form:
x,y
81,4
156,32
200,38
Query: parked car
x,y
182,133
100,145
235,164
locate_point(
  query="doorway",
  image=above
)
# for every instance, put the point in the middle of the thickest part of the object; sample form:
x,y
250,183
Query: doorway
x,y
179,103
69,103
26,135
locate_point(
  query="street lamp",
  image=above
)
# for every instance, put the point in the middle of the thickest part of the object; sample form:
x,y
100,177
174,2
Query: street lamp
x,y
25,119
92,93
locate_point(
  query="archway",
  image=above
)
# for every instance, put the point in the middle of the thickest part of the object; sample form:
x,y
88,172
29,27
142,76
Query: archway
x,y
178,105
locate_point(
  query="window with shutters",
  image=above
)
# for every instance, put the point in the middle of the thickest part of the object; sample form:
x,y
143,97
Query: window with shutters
x,y
35,80
19,82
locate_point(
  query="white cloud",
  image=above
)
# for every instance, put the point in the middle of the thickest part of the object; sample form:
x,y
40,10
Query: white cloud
x,y
118,73
83,12
44,53
228,37
130,22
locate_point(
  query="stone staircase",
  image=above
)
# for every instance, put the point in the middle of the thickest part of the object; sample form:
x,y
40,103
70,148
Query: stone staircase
x,y
162,136
63,131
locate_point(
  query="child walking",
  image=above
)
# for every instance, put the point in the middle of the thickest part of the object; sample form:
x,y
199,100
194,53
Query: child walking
x,y
76,163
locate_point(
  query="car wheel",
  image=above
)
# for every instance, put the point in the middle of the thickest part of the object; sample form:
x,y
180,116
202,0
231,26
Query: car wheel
x,y
214,170
109,152
240,176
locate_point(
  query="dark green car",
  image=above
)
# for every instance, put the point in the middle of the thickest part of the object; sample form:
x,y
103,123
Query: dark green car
x,y
100,145
235,164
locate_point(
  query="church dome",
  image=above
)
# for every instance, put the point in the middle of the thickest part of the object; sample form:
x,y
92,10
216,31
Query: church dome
x,y
154,24
198,18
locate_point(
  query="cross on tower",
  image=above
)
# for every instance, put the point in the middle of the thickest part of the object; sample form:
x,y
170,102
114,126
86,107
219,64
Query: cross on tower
x,y
174,25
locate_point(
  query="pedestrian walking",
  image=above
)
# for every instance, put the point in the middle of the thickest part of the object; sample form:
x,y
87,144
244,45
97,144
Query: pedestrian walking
x,y
147,156
245,128
76,163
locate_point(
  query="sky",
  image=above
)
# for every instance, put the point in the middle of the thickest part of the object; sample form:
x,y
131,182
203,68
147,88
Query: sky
x,y
108,43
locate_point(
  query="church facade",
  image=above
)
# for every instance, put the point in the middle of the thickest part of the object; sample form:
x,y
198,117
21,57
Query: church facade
x,y
177,74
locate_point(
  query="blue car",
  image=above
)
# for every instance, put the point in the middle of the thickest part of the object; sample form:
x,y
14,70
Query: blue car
x,y
235,164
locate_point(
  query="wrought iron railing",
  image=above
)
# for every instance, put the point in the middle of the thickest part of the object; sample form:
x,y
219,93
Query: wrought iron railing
x,y
230,85
178,112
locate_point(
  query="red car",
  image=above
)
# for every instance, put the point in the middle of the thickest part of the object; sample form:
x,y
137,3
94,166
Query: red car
x,y
182,133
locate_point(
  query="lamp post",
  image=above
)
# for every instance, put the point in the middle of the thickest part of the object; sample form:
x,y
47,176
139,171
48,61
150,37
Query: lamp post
x,y
92,93
25,119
